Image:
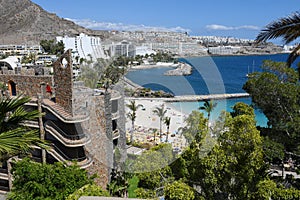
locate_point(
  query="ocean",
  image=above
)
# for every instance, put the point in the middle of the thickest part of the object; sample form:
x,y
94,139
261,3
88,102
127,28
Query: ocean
x,y
211,75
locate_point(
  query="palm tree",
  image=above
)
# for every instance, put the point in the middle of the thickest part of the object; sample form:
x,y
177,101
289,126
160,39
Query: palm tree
x,y
154,134
15,138
208,107
167,122
288,28
132,116
160,112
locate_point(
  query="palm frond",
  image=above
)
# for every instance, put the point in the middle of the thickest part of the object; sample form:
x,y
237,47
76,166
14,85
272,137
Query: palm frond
x,y
13,112
202,108
133,106
18,140
287,27
293,55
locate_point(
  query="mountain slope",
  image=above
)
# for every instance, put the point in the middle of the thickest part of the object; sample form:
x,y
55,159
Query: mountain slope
x,y
22,21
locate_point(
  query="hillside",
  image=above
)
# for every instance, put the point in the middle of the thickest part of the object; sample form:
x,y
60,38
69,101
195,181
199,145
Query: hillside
x,y
22,21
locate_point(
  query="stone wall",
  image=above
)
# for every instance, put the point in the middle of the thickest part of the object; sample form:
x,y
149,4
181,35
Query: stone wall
x,y
63,80
28,85
81,96
121,121
101,145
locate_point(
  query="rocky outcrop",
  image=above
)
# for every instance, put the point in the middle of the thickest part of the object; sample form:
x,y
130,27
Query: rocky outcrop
x,y
22,21
183,69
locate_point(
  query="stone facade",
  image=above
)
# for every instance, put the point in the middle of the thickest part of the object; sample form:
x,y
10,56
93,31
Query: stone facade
x,y
63,79
121,120
81,99
101,145
85,101
25,83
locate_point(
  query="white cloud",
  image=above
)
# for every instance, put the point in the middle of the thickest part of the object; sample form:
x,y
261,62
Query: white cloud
x,y
124,27
229,28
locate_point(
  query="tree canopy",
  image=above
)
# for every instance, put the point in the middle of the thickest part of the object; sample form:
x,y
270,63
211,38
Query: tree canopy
x,y
276,92
52,47
46,181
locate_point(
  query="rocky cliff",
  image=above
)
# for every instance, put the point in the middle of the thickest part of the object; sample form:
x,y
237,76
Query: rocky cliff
x,y
183,69
23,21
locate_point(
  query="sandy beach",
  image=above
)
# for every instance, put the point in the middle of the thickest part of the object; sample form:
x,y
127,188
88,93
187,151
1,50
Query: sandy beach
x,y
158,65
146,121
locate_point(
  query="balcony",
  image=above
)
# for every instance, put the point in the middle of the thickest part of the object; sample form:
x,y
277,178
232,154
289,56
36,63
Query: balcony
x,y
115,95
59,155
66,139
59,111
4,189
115,115
32,124
116,134
3,174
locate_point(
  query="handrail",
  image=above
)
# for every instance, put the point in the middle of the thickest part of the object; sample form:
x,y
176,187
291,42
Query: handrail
x,y
70,119
63,133
4,176
4,189
116,134
73,142
3,170
66,119
83,162
115,115
30,123
65,157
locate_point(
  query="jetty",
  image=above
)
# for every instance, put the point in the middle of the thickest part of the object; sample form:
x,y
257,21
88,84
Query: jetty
x,y
188,98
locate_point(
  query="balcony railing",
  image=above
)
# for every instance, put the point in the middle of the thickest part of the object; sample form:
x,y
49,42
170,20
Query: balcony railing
x,y
59,112
82,162
116,134
4,189
67,139
4,175
32,124
115,115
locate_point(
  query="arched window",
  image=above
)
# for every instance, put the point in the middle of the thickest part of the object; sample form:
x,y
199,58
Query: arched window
x,y
12,88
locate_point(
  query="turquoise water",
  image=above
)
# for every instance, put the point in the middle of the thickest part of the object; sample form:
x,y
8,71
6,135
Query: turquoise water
x,y
211,75
226,104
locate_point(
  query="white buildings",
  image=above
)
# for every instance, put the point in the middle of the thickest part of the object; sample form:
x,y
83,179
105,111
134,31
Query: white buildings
x,y
10,62
143,50
20,49
84,46
123,48
223,50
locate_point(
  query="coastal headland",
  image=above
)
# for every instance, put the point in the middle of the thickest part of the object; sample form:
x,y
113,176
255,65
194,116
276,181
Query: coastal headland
x,y
181,69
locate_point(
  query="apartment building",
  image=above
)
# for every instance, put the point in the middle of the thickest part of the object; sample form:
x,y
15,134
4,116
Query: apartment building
x,y
123,48
20,49
82,125
84,46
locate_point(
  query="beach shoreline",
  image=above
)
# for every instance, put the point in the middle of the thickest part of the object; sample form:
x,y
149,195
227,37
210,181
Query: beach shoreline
x,y
150,66
146,120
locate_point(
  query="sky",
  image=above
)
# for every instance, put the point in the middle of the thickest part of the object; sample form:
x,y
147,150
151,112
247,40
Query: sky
x,y
235,18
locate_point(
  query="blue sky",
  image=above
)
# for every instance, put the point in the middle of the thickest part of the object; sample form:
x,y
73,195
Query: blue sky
x,y
237,18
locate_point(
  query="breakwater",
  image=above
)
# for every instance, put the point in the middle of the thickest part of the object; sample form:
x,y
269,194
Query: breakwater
x,y
189,98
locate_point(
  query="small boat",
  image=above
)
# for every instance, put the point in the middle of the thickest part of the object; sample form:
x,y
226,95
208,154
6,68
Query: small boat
x,y
249,74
